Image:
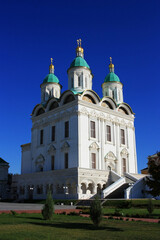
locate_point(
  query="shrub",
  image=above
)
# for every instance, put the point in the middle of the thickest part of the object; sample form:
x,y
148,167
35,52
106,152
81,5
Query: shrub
x,y
13,213
48,208
150,206
117,212
96,212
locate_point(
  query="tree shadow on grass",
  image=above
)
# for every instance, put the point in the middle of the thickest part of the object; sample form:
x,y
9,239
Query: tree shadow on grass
x,y
25,216
85,226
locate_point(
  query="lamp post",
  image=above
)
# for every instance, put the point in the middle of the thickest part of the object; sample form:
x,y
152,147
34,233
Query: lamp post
x,y
65,191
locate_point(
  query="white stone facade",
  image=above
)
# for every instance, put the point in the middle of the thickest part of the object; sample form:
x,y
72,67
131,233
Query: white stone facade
x,y
77,138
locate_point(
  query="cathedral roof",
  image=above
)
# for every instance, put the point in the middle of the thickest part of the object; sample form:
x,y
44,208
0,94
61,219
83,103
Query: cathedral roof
x,y
111,77
51,78
2,161
79,62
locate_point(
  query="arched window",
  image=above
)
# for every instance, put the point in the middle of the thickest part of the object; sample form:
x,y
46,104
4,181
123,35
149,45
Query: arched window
x,y
79,81
72,83
124,167
85,82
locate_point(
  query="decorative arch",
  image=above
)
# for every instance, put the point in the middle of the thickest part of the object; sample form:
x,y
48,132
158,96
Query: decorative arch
x,y
94,146
90,96
65,146
124,160
66,97
38,110
40,163
108,102
51,149
110,160
125,109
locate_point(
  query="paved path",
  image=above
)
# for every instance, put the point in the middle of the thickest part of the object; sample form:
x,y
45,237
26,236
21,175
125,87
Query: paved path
x,y
29,206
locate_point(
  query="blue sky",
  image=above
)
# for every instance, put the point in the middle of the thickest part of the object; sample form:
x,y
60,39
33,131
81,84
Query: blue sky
x,y
34,31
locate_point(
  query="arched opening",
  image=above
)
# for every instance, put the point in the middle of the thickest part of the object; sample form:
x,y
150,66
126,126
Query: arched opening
x,y
106,104
99,189
83,188
88,98
68,99
40,111
123,110
90,188
53,106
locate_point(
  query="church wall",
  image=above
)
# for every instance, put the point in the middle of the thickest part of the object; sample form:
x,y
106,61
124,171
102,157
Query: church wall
x,y
41,154
26,163
99,145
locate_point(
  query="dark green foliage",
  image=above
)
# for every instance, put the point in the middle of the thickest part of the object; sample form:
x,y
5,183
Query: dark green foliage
x,y
48,208
150,206
13,213
96,211
153,182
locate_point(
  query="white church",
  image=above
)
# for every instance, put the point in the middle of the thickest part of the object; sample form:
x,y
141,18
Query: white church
x,y
81,144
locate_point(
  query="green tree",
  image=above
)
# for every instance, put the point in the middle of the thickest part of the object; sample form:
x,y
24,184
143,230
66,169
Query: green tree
x,y
150,206
48,209
153,182
96,211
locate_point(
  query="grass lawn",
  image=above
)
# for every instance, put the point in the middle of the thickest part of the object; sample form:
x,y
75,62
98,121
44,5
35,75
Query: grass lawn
x,y
33,227
130,211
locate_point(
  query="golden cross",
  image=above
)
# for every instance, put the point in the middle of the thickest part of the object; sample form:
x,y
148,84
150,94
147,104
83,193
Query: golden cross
x,y
51,60
79,42
110,59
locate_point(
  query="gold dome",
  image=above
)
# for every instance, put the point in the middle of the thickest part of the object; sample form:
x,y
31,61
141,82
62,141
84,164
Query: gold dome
x,y
51,66
111,65
79,49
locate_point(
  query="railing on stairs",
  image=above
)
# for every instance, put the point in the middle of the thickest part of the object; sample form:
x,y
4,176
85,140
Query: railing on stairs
x,y
114,186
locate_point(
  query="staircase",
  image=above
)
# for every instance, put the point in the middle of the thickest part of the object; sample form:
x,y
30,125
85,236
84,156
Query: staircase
x,y
118,187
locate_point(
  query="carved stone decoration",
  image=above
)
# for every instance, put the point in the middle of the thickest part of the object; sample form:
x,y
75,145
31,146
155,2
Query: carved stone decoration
x,y
101,115
65,146
84,111
94,146
40,159
110,156
123,122
110,160
51,149
93,113
124,152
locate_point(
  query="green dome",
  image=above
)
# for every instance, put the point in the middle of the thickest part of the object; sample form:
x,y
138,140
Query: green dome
x,y
51,78
111,77
79,62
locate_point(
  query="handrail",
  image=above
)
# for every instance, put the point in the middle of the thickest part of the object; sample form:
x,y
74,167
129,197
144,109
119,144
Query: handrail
x,y
113,186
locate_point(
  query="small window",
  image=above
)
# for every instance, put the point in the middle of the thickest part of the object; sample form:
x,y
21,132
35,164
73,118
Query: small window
x,y
52,163
66,160
122,136
66,134
108,129
93,129
79,81
41,137
86,82
113,95
53,133
71,82
93,156
123,165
